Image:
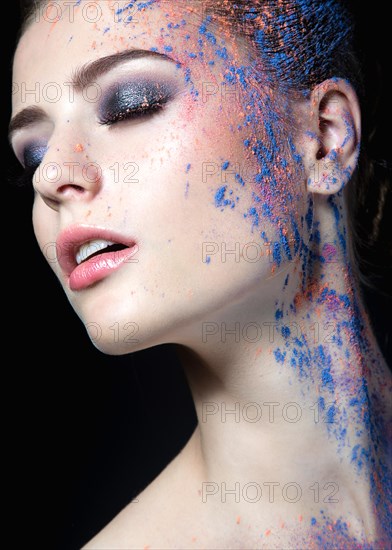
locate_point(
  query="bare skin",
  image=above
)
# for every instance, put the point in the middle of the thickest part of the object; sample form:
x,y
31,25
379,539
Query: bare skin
x,y
275,459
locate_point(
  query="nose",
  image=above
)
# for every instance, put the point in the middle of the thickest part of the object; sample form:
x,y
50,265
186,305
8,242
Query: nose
x,y
67,174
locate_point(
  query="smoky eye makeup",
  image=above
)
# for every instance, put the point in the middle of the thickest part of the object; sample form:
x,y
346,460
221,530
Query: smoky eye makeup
x,y
137,99
30,158
33,155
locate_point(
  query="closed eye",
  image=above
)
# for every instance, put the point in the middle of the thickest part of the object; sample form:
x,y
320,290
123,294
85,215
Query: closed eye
x,y
133,101
136,112
32,158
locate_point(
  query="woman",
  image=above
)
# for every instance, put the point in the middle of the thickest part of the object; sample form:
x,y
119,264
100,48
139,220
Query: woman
x,y
235,130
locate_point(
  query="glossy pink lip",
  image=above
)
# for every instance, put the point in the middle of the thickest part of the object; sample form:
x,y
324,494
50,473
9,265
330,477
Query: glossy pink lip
x,y
100,266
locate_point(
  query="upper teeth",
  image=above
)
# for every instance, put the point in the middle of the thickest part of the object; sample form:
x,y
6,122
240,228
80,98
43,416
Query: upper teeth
x,y
91,247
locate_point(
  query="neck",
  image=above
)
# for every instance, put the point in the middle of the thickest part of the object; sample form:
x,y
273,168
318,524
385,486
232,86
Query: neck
x,y
291,396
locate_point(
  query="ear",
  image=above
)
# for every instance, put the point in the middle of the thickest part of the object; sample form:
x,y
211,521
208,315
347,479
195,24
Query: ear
x,y
334,134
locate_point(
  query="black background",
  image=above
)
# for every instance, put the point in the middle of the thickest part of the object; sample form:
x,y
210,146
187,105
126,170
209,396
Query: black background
x,y
85,436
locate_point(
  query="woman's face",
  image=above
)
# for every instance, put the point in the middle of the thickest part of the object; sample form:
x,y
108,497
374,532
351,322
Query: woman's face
x,y
171,157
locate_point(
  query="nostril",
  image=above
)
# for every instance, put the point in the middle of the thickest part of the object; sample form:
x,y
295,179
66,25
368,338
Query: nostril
x,y
65,188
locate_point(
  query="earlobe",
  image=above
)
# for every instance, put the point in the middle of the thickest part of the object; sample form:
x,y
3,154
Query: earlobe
x,y
332,153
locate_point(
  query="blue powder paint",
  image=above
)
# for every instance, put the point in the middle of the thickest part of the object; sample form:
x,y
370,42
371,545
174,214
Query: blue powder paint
x,y
144,5
278,314
230,76
286,331
168,48
208,260
211,38
263,235
207,34
222,53
188,80
313,521
251,14
123,14
188,167
345,299
119,11
292,34
254,215
297,236
276,254
266,209
238,178
323,361
341,236
220,198
326,378
359,456
285,245
220,195
298,342
330,417
279,356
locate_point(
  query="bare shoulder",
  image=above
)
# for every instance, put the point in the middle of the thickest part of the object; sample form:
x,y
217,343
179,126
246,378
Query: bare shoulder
x,y
163,515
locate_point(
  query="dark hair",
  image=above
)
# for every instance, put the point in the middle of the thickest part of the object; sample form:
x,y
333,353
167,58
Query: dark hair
x,y
317,42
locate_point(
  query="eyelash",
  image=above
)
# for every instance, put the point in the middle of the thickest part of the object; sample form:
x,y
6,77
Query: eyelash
x,y
140,111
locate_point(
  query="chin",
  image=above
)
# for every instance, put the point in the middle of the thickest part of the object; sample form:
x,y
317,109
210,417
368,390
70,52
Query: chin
x,y
119,321
122,338
104,343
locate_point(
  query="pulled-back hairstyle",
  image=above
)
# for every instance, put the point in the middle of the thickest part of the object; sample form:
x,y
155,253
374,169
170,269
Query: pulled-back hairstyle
x,y
301,43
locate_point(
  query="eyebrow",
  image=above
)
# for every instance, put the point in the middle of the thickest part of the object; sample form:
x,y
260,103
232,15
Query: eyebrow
x,y
83,77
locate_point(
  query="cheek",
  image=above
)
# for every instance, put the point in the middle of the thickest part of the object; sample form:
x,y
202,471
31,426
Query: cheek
x,y
209,179
246,170
40,219
44,224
